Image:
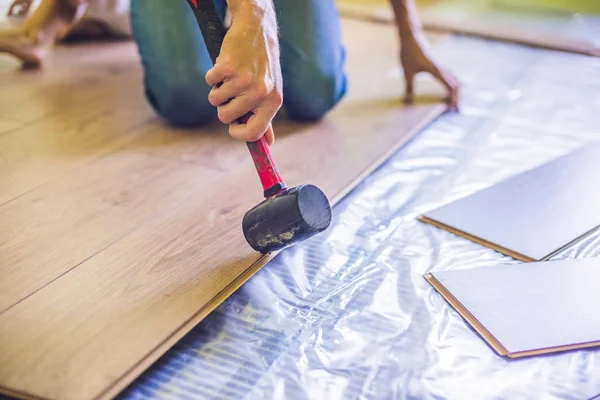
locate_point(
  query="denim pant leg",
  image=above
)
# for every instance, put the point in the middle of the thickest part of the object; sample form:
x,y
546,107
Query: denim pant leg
x,y
174,59
312,57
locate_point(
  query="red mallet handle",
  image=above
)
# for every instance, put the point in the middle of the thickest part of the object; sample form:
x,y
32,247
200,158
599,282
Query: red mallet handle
x,y
213,33
265,165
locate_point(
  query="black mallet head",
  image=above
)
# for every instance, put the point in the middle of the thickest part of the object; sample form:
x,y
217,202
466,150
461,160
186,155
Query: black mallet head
x,y
287,218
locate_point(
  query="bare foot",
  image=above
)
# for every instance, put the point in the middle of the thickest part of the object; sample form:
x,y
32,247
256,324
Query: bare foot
x,y
29,49
31,41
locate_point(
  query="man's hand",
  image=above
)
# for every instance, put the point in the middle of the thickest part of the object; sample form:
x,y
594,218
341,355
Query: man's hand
x,y
247,74
415,58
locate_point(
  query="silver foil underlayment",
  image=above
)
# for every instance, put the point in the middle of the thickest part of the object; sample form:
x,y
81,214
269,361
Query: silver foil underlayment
x,y
348,315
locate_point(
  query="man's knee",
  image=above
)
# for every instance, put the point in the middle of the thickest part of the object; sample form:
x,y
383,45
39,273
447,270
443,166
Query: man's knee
x,y
312,91
182,103
174,59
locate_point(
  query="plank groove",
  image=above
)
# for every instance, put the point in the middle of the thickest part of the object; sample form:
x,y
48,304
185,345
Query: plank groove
x,y
7,125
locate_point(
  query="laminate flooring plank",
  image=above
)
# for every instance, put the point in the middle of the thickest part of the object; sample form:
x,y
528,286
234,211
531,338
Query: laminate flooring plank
x,y
194,146
96,328
72,77
52,229
67,140
524,310
63,59
533,215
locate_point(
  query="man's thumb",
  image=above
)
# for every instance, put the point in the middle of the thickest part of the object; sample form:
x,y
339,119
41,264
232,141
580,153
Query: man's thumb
x,y
270,135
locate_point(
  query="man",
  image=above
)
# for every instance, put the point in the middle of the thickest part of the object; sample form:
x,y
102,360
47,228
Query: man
x,y
276,53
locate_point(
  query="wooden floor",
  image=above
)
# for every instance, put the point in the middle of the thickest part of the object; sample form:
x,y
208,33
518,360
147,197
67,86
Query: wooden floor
x,y
118,233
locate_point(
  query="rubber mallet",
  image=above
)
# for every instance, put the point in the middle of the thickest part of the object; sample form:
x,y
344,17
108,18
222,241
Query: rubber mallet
x,y
286,216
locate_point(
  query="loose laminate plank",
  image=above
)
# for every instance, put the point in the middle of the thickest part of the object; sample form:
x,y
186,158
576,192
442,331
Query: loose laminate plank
x,y
96,328
526,310
533,215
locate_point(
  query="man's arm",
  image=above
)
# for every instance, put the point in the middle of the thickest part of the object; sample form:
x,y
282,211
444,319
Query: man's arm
x,y
248,68
414,54
407,19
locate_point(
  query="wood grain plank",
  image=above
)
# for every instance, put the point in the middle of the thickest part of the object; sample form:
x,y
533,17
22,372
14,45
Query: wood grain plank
x,y
45,150
80,106
72,77
59,225
194,146
92,331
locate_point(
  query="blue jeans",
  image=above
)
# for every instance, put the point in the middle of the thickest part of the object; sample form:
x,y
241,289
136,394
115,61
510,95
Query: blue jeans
x,y
175,59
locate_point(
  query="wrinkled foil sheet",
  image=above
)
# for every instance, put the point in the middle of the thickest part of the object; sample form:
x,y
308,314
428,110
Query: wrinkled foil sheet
x,y
348,315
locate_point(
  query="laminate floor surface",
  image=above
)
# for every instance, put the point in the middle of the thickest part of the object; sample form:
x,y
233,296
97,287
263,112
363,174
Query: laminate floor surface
x,y
119,233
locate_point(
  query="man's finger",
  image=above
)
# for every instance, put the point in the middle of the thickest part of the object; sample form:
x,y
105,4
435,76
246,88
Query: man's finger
x,y
449,82
260,122
454,93
236,108
217,74
452,85
256,126
219,95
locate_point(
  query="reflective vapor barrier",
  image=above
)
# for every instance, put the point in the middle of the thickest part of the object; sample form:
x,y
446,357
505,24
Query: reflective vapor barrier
x,y
348,315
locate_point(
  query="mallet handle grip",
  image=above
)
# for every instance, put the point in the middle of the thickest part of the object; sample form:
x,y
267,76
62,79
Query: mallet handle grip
x,y
214,32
